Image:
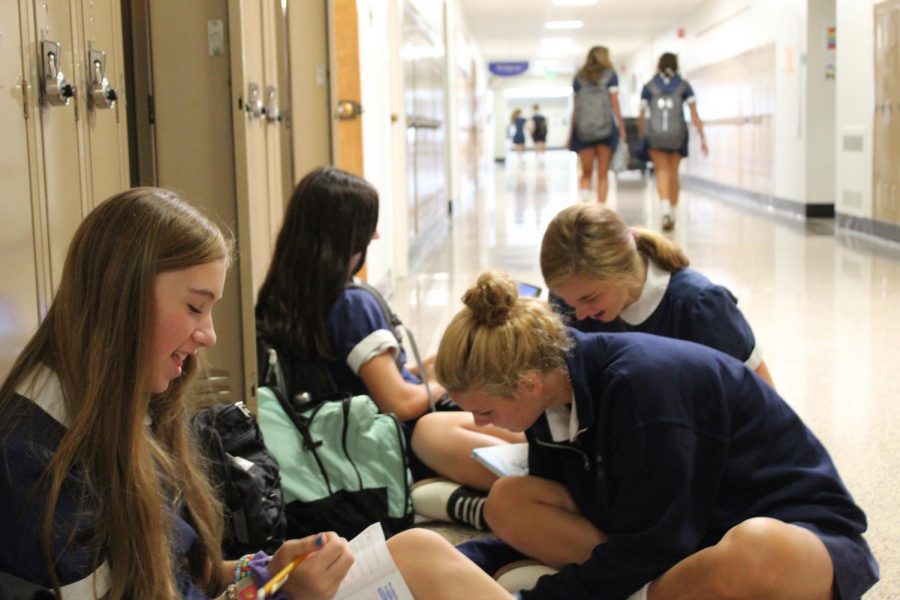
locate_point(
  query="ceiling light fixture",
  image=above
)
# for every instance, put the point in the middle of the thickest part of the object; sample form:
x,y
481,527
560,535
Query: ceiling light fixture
x,y
574,2
564,24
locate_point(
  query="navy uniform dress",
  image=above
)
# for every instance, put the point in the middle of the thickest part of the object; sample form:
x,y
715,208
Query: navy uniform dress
x,y
684,305
519,130
668,445
28,447
359,331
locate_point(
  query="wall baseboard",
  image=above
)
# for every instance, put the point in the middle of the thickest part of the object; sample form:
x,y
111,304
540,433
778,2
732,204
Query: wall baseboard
x,y
872,227
863,225
729,193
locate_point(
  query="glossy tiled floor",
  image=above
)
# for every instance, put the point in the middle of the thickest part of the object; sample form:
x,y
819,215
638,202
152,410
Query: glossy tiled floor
x,y
825,307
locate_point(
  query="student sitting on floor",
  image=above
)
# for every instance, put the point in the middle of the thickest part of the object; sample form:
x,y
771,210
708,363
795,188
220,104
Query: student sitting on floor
x,y
658,467
611,277
102,492
308,311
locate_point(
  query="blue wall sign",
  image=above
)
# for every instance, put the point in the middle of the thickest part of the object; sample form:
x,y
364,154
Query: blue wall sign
x,y
508,68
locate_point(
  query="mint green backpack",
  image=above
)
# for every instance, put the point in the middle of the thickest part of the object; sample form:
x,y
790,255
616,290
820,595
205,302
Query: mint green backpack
x,y
343,463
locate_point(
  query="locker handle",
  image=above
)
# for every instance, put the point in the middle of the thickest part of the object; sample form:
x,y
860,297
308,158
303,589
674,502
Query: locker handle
x,y
102,94
56,90
254,105
272,111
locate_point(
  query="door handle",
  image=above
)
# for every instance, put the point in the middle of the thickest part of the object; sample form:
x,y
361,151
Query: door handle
x,y
102,94
56,90
348,109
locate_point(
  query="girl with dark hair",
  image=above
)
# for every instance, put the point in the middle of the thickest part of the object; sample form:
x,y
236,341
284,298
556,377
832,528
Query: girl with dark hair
x,y
103,491
663,99
307,311
657,468
597,125
611,277
518,122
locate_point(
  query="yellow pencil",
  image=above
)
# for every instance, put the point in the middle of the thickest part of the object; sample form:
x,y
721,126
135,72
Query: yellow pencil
x,y
274,584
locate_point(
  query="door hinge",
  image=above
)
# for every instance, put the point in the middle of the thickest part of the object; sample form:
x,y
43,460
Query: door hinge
x,y
151,109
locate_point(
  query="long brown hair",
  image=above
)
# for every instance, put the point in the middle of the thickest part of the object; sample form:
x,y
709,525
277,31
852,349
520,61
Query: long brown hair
x,y
590,240
497,337
596,62
98,338
331,217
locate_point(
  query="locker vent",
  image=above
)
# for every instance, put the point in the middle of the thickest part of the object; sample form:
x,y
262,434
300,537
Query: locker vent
x,y
853,143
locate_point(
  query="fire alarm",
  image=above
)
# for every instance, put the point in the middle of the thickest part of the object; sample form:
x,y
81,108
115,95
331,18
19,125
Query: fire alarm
x,y
679,32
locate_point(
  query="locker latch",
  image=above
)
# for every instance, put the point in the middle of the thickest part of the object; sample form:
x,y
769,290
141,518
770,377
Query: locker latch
x,y
254,105
102,94
55,89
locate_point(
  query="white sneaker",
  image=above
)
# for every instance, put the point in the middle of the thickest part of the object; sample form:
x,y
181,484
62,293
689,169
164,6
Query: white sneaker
x,y
668,218
522,575
585,195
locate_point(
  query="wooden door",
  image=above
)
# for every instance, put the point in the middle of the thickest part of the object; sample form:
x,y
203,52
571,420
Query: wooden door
x,y
886,118
343,27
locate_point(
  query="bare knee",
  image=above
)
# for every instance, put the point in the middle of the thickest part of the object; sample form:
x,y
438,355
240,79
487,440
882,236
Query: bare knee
x,y
755,558
503,497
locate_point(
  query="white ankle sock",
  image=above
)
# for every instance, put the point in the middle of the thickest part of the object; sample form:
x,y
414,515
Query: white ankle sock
x,y
666,207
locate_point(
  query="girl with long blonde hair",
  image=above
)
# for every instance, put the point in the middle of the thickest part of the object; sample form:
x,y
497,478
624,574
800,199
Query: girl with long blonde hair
x,y
607,276
657,468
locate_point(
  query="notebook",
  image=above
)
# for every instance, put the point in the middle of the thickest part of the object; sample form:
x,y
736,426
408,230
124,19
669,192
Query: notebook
x,y
505,459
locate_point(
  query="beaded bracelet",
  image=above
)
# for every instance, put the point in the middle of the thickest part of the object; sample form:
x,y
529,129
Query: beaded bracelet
x,y
242,567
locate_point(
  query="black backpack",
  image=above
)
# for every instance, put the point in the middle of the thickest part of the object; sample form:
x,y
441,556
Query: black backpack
x,y
246,478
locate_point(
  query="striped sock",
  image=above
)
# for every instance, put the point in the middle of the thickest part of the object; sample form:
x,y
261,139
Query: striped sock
x,y
466,506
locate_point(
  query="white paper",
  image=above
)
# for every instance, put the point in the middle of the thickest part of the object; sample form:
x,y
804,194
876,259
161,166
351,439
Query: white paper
x,y
374,574
504,459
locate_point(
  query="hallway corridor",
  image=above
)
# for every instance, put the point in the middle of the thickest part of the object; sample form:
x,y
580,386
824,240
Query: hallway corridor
x,y
823,306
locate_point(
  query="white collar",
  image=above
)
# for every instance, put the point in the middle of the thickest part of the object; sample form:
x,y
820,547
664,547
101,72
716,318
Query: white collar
x,y
563,422
651,295
45,390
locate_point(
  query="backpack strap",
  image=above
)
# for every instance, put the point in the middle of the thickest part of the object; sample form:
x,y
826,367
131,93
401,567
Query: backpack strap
x,y
397,327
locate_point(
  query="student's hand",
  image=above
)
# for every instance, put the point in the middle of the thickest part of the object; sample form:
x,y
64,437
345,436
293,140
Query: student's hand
x,y
703,148
317,577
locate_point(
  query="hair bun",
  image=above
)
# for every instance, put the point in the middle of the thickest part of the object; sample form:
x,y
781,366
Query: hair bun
x,y
492,298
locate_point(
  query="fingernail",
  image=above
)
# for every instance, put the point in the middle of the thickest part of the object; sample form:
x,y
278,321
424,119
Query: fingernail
x,y
320,539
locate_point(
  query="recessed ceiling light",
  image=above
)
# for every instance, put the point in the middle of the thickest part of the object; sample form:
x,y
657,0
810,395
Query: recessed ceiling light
x,y
564,24
574,2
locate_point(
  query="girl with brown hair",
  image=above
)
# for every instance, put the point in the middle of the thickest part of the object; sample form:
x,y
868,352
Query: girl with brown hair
x,y
657,468
663,100
102,490
611,277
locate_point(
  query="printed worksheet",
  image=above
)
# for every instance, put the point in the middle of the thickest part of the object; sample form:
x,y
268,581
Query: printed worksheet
x,y
374,574
504,459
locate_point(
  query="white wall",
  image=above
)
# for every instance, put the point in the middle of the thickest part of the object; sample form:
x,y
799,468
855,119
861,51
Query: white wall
x,y
376,100
820,104
723,29
855,103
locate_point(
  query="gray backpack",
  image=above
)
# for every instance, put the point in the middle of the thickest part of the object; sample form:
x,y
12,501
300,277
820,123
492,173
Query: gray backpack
x,y
593,110
666,129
